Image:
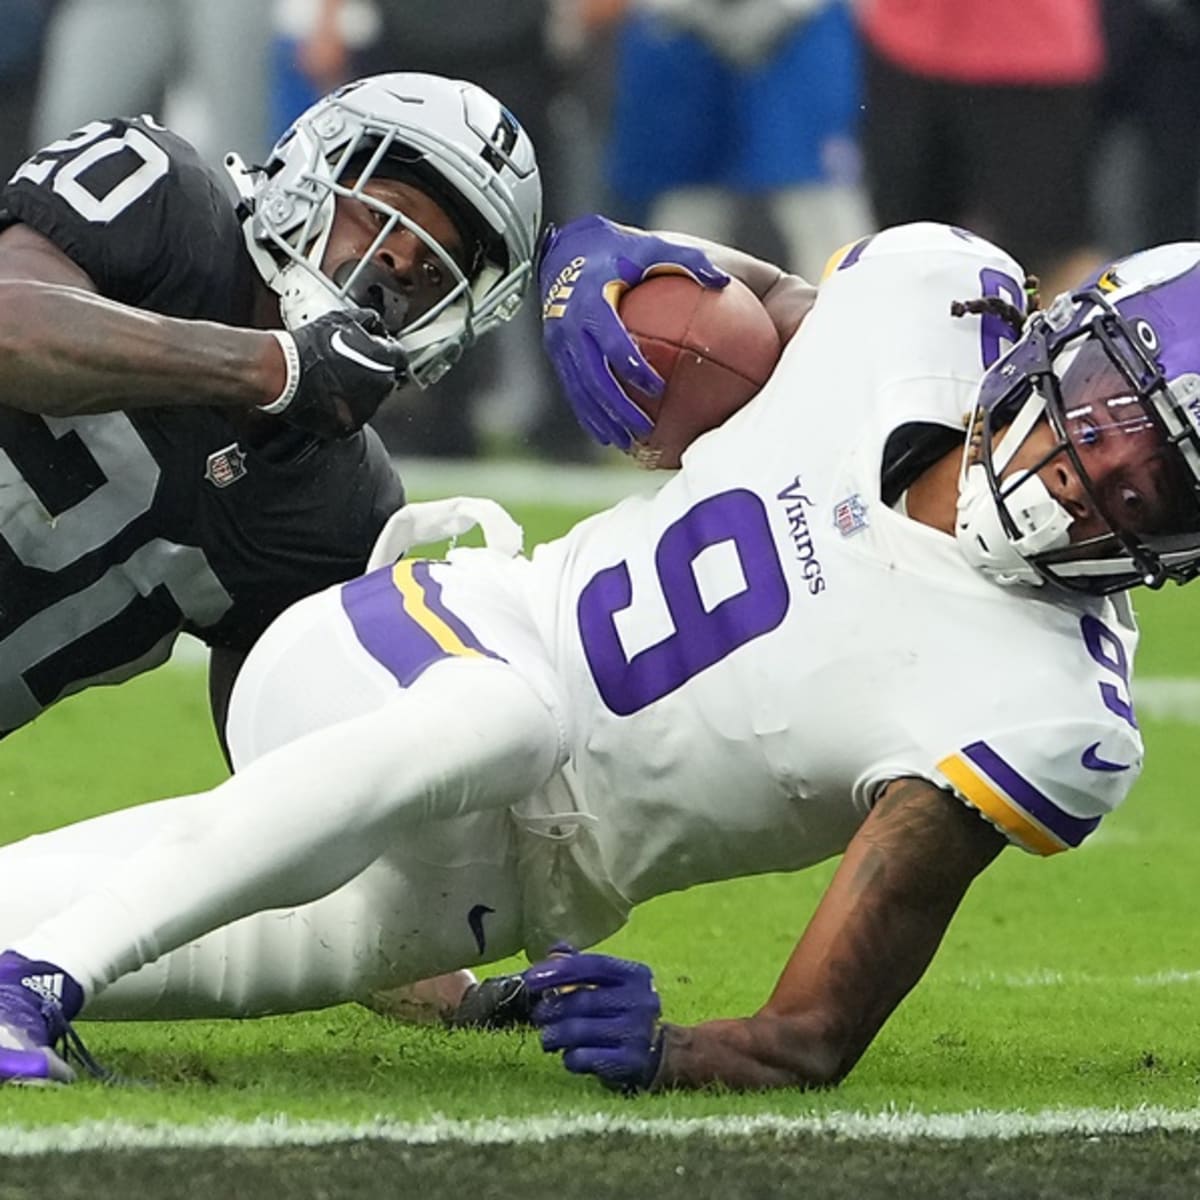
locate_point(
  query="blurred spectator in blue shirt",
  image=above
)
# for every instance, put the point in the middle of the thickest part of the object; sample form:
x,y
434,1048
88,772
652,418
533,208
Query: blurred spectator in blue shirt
x,y
716,101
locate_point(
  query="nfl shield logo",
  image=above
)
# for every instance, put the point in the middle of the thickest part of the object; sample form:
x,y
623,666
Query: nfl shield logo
x,y
225,466
850,515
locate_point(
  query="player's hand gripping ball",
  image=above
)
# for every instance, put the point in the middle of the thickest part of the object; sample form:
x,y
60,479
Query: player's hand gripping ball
x,y
602,1013
713,349
584,269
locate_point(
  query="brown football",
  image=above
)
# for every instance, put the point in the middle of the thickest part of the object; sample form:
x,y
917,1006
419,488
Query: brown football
x,y
714,348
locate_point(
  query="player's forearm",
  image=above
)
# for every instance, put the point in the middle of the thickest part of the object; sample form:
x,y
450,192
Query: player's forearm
x,y
869,942
64,352
753,1053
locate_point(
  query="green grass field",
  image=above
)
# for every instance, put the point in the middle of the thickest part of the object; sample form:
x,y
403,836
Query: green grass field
x,y
1052,1049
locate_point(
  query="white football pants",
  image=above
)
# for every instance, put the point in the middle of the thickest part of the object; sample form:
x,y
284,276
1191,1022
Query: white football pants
x,y
365,841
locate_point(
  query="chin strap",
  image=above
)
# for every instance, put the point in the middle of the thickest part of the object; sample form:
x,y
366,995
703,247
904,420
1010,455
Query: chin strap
x,y
1042,523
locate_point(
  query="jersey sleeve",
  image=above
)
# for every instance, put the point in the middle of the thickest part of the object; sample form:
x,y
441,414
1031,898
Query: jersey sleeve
x,y
887,302
903,253
1048,787
136,208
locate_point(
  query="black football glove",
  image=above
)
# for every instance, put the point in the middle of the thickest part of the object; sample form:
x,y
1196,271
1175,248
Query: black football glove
x,y
340,370
501,1002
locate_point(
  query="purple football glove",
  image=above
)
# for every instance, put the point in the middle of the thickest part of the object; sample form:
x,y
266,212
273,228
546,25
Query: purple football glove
x,y
584,269
602,1012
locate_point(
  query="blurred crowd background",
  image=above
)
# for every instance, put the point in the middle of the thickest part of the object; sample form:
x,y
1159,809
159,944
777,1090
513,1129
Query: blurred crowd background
x,y
1066,130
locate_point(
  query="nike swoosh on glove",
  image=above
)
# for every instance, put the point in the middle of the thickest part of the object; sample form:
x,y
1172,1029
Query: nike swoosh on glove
x,y
584,269
341,368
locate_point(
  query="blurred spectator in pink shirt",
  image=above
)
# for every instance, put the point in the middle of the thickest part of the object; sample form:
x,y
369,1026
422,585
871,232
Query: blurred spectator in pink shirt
x,y
982,113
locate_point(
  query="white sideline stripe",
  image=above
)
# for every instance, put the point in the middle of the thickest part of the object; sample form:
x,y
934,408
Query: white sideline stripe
x,y
1172,977
524,482
1167,978
1168,699
893,1126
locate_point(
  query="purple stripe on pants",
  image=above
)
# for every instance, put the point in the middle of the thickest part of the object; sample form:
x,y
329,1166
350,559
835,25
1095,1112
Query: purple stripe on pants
x,y
385,630
423,574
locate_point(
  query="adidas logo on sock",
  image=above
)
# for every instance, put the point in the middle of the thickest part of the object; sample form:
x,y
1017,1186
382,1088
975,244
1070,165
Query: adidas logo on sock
x,y
49,987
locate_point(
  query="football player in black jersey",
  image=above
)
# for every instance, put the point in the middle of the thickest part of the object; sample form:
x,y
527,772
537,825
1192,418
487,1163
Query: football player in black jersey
x,y
184,379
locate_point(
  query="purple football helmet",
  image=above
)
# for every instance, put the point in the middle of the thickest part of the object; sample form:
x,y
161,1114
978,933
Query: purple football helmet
x,y
1083,460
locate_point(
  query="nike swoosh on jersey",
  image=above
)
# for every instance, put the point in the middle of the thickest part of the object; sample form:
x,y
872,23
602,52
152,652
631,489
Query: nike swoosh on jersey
x,y
475,920
1092,760
340,346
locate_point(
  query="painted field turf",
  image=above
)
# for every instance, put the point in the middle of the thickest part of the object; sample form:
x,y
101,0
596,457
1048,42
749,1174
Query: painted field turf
x,y
1064,984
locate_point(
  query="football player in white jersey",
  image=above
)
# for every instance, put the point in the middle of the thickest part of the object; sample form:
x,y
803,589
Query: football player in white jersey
x,y
753,669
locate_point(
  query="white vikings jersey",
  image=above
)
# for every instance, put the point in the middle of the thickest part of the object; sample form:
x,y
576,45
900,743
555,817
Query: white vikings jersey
x,y
740,661
751,653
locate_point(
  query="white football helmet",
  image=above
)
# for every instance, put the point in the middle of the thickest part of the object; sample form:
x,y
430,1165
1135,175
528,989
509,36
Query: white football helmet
x,y
448,137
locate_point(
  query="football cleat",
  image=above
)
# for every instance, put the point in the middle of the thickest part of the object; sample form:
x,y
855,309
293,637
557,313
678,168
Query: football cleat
x,y
37,1003
502,1002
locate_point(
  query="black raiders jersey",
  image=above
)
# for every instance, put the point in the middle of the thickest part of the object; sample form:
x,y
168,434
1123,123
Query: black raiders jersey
x,y
118,531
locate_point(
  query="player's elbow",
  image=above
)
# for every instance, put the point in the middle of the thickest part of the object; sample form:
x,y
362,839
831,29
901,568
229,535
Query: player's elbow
x,y
788,303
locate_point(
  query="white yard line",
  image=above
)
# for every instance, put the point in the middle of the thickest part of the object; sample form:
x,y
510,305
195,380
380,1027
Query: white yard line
x,y
1168,978
896,1126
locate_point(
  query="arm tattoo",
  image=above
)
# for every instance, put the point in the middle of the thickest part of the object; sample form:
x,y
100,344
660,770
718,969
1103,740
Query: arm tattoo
x,y
870,940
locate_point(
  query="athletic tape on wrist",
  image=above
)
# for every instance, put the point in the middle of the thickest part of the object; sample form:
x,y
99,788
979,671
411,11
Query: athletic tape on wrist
x,y
291,359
